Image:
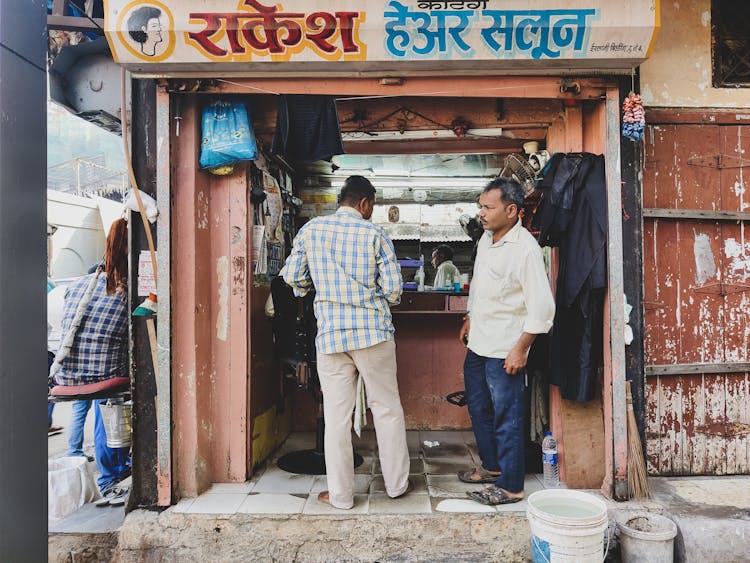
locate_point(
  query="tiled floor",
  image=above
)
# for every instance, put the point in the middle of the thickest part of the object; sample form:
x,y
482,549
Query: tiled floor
x,y
436,456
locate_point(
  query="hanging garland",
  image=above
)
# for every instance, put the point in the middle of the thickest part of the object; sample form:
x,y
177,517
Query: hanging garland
x,y
633,117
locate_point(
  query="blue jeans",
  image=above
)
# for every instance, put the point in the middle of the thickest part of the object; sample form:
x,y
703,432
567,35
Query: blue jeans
x,y
75,435
497,406
114,463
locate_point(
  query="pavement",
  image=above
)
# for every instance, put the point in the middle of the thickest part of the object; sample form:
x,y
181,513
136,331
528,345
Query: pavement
x,y
276,517
57,445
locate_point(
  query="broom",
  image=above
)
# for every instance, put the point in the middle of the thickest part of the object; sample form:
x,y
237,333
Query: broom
x,y
637,477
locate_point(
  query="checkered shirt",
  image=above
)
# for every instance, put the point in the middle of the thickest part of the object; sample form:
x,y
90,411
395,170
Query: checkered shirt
x,y
100,349
352,265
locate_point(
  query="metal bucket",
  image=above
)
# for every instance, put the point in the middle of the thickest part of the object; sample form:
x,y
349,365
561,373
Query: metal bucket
x,y
117,417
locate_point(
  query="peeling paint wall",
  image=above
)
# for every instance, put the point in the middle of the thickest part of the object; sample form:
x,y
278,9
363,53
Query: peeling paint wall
x,y
678,74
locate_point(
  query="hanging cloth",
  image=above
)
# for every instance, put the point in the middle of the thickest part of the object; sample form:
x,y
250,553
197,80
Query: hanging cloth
x,y
307,128
574,216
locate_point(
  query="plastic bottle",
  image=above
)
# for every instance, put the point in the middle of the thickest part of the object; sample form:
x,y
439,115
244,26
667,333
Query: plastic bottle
x,y
549,461
420,275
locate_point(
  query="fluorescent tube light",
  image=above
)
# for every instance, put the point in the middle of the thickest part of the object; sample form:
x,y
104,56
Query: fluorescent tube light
x,y
419,134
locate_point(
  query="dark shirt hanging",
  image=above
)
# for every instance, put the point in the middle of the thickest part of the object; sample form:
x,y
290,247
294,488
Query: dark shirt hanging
x,y
573,215
307,128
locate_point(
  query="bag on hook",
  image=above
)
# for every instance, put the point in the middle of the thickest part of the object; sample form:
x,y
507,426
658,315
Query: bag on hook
x,y
227,135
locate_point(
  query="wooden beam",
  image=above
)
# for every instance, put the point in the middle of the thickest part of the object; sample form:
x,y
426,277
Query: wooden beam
x,y
428,86
692,369
614,390
430,146
73,23
58,7
700,214
699,116
164,281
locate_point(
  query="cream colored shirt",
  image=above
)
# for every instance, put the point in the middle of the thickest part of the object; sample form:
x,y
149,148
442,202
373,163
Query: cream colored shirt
x,y
510,293
446,275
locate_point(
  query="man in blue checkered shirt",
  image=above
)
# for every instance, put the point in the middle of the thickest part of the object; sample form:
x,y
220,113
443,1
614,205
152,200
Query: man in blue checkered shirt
x,y
352,265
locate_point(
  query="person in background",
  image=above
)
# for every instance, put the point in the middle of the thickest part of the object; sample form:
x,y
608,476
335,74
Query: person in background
x,y
510,302
80,411
51,428
52,339
446,273
99,349
352,266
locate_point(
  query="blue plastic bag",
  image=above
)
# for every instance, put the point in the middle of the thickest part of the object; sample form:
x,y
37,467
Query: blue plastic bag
x,y
227,135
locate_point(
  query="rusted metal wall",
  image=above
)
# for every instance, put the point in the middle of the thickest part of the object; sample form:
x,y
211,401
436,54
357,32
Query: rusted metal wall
x,y
697,298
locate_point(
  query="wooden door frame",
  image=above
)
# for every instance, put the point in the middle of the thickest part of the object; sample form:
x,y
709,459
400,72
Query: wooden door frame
x,y
193,479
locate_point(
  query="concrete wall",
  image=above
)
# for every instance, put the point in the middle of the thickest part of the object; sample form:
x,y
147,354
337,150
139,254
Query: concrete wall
x,y
678,74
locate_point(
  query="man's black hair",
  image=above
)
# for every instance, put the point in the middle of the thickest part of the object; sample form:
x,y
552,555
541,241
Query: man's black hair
x,y
445,251
139,19
355,189
510,191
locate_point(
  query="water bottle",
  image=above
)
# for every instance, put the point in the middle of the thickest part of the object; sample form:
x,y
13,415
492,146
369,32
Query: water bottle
x,y
549,461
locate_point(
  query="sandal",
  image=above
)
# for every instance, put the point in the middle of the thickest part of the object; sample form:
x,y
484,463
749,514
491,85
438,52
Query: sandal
x,y
492,496
484,476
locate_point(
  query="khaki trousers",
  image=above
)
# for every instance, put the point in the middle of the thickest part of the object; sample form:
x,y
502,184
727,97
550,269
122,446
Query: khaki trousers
x,y
338,381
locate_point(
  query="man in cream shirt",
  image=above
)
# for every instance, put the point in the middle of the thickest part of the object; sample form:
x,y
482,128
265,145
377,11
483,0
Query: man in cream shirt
x,y
510,302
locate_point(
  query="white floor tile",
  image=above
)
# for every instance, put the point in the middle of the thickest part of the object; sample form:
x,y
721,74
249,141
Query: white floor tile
x,y
462,505
276,480
416,465
361,484
412,440
365,468
298,441
442,436
312,506
469,437
239,488
408,504
272,504
532,484
513,507
420,485
448,486
183,505
219,503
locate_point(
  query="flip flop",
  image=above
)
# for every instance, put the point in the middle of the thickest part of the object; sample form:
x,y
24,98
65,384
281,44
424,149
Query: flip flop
x,y
492,496
484,476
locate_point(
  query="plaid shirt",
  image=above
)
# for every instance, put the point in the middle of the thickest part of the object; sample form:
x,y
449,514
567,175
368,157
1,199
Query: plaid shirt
x,y
100,348
352,265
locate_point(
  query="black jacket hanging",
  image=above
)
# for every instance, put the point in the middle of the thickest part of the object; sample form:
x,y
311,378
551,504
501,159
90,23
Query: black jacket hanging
x,y
307,128
573,216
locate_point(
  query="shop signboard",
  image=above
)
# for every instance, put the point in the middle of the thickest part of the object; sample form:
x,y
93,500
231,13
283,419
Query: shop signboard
x,y
242,34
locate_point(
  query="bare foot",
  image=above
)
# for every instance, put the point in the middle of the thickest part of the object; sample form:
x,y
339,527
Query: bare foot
x,y
512,495
323,498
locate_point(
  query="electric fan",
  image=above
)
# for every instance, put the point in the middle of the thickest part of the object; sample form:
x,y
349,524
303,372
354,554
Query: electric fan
x,y
521,171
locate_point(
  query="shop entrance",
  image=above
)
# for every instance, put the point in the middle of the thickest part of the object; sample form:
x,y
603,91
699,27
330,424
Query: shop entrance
x,y
250,410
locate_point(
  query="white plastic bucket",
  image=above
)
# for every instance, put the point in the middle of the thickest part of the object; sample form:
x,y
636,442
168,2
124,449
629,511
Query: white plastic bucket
x,y
647,538
566,526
